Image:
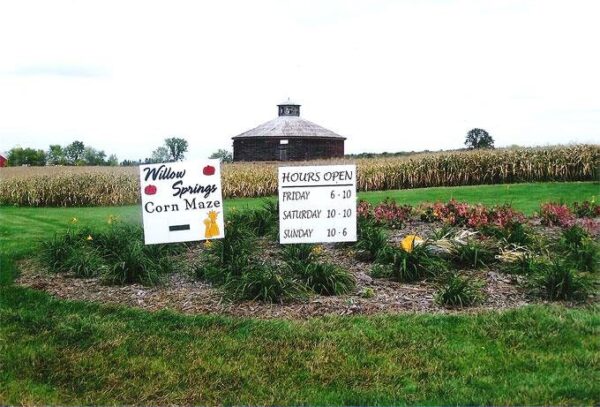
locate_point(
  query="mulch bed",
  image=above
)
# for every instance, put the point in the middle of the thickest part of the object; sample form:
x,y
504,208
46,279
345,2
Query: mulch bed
x,y
181,292
184,294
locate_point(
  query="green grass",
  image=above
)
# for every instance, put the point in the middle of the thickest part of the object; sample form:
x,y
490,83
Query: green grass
x,y
61,352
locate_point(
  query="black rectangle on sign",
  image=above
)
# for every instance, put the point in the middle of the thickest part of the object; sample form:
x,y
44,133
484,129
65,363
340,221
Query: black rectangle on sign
x,y
176,228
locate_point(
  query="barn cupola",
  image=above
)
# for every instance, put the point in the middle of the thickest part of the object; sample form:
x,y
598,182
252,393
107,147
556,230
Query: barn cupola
x,y
289,108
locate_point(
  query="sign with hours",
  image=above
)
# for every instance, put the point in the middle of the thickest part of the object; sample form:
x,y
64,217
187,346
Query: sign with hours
x,y
182,201
317,204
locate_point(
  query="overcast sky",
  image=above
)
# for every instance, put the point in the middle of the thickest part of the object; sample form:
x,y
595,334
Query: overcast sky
x,y
390,75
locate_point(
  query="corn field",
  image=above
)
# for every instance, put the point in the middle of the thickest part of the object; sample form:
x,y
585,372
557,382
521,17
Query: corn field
x,y
105,186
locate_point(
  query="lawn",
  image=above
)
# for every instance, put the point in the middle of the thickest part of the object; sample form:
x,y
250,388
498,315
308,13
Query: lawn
x,y
61,352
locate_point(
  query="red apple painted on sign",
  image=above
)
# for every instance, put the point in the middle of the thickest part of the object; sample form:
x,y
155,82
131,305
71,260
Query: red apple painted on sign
x,y
150,189
208,170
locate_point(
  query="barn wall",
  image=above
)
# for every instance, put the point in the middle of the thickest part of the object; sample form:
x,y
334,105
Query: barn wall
x,y
297,149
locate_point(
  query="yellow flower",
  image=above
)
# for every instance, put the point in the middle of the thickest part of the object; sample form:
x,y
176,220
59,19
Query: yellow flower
x,y
208,244
317,250
111,219
409,242
74,220
89,237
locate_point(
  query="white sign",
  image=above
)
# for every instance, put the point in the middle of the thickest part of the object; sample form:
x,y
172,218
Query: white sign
x,y
182,201
317,204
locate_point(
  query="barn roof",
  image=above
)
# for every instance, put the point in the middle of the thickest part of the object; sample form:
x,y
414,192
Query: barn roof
x,y
289,124
288,127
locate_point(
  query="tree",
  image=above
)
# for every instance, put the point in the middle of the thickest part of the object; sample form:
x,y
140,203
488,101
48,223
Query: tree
x,y
177,148
56,155
479,138
74,152
131,163
224,155
26,156
113,161
160,155
91,156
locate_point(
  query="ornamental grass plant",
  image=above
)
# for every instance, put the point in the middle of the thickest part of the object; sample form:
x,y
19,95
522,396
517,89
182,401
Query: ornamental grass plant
x,y
116,254
459,291
559,281
327,278
580,250
263,281
473,254
372,241
414,265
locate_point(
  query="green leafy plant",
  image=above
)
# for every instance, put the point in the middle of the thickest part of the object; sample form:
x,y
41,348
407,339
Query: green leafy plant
x,y
580,251
573,236
417,264
301,254
327,279
473,254
443,232
382,270
117,254
458,291
526,264
112,240
367,293
264,282
558,281
232,253
133,265
264,221
513,232
53,252
372,240
517,233
585,256
84,262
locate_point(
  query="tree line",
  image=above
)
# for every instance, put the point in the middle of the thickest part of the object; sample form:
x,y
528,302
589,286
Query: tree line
x,y
77,153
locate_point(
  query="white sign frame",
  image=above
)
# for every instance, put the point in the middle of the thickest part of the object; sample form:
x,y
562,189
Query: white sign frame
x,y
182,201
317,204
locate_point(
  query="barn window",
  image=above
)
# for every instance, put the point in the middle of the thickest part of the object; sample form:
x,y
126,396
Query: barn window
x,y
283,141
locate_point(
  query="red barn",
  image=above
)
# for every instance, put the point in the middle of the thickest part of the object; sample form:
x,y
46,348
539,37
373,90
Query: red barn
x,y
3,160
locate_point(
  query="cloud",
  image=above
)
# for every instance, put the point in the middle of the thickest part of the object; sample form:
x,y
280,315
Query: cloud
x,y
67,71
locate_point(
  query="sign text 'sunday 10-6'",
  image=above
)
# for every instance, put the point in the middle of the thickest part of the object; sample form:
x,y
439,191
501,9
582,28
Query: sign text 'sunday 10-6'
x,y
182,201
317,204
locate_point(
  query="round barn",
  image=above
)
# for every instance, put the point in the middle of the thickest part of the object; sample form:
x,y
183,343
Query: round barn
x,y
288,137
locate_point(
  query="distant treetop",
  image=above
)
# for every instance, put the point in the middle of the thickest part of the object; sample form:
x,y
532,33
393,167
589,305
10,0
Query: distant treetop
x,y
479,138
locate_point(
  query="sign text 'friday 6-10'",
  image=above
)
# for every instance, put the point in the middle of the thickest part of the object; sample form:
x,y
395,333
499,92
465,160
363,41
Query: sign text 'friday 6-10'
x,y
182,201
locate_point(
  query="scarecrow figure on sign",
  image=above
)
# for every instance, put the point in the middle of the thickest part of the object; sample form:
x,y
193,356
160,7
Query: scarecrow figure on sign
x,y
211,228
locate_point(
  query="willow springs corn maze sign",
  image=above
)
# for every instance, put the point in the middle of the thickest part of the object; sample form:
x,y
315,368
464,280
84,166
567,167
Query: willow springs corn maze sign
x,y
182,202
